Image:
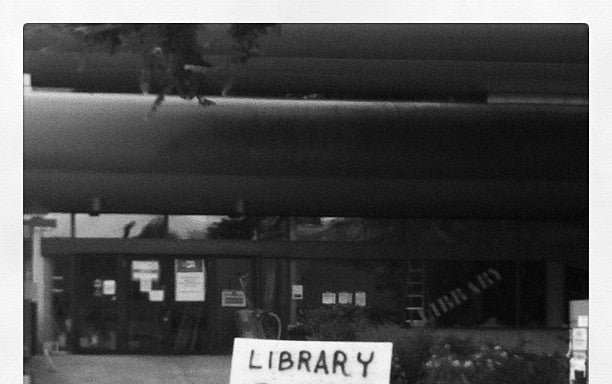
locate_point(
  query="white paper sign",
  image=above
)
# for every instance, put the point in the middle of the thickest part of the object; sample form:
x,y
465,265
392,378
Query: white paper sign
x,y
257,361
109,287
297,292
146,285
156,295
190,280
145,269
579,339
360,299
233,298
345,298
328,298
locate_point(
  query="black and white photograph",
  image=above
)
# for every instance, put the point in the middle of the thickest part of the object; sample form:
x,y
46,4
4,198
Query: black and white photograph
x,y
282,202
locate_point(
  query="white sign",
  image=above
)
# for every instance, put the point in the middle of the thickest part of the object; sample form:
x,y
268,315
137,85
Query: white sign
x,y
583,320
345,298
297,292
146,285
145,270
328,298
360,299
579,339
257,361
109,287
190,280
233,298
156,295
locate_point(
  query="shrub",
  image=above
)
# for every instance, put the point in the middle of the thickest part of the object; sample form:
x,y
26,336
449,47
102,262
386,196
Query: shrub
x,y
411,349
461,362
418,360
333,323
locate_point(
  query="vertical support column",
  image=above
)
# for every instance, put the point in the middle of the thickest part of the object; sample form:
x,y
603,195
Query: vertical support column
x,y
293,273
293,277
517,293
72,225
41,276
74,303
555,294
285,295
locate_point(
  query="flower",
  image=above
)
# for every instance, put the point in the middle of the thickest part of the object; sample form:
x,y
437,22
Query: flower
x,y
456,363
468,364
498,348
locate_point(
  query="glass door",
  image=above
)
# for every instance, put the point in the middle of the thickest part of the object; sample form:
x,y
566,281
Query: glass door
x,y
146,307
97,315
189,332
165,305
142,304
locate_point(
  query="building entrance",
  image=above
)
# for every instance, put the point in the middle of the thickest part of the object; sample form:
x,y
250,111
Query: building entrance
x,y
141,304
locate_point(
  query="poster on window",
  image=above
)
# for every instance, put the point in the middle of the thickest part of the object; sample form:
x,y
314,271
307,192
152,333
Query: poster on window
x,y
233,298
190,280
328,298
109,287
360,299
145,270
345,298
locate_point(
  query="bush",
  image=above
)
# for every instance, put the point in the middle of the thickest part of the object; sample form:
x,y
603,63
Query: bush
x,y
418,360
461,362
411,349
334,323
351,323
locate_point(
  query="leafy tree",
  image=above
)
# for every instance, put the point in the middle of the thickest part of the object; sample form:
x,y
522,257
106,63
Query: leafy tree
x,y
234,228
174,54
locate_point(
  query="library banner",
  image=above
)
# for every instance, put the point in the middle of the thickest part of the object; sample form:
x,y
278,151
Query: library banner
x,y
257,361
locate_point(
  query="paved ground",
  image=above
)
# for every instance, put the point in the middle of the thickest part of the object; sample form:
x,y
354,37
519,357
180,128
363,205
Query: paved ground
x,y
131,369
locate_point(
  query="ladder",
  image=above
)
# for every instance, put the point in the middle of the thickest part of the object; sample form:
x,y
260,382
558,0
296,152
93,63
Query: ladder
x,y
415,294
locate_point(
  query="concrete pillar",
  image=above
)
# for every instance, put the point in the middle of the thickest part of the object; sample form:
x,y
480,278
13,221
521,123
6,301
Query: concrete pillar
x,y
555,294
42,282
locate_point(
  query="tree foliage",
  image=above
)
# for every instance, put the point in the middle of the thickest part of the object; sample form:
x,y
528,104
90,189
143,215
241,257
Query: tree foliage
x,y
233,228
175,55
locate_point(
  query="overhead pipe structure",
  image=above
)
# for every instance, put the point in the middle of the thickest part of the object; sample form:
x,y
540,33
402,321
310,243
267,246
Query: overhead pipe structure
x,y
305,157
351,61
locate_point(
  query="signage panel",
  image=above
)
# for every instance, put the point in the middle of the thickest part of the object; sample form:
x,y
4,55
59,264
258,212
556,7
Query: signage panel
x,y
109,287
579,339
297,292
190,280
345,298
257,361
233,298
328,298
145,270
360,299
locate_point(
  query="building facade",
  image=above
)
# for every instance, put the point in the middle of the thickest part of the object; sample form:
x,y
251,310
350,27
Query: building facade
x,y
459,205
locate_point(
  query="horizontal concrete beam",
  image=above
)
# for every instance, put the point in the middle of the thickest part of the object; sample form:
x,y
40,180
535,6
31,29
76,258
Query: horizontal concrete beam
x,y
575,255
306,196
